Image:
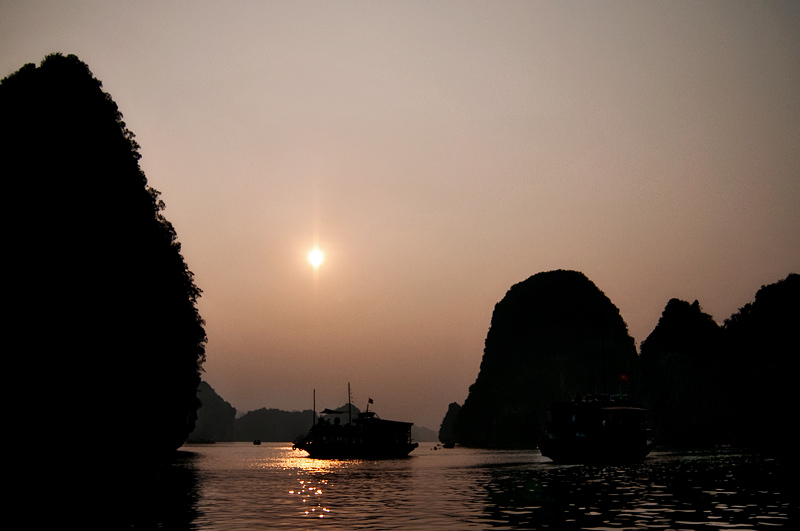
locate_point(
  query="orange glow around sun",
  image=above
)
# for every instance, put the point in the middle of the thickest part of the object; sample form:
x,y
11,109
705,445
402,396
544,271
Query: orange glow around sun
x,y
316,257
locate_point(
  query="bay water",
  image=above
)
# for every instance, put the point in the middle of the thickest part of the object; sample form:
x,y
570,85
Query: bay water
x,y
232,486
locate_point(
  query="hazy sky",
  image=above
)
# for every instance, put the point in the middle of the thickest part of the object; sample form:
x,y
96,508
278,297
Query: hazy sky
x,y
438,153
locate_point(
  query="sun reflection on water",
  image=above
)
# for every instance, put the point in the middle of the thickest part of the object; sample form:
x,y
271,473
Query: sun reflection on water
x,y
309,478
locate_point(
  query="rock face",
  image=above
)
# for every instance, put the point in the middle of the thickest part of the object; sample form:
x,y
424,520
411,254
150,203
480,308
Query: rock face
x,y
707,385
552,337
104,326
682,382
215,418
761,343
446,434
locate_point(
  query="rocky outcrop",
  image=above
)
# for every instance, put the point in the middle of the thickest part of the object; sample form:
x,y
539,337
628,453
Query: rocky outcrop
x,y
446,433
682,384
104,322
273,425
552,337
215,418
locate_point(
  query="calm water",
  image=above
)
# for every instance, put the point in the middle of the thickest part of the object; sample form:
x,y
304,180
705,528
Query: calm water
x,y
241,486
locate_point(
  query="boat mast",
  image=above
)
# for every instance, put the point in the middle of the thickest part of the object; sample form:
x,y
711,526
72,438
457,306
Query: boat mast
x,y
349,406
314,413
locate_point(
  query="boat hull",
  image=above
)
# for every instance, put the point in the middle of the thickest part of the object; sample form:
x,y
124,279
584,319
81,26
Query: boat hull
x,y
573,450
349,451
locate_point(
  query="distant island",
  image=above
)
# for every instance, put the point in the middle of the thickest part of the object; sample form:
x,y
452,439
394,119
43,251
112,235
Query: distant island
x,y
217,422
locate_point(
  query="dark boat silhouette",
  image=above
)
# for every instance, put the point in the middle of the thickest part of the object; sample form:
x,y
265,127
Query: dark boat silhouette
x,y
596,429
365,437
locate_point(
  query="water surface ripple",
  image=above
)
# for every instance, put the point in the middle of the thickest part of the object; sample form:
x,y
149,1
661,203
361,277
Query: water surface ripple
x,y
242,486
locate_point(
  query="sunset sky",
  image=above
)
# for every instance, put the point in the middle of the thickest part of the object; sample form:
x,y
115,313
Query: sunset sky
x,y
438,153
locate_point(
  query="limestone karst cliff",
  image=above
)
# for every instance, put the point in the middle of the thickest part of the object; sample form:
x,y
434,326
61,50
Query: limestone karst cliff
x,y
105,329
552,337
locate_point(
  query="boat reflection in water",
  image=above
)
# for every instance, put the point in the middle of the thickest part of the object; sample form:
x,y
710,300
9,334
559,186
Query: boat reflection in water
x,y
596,429
365,437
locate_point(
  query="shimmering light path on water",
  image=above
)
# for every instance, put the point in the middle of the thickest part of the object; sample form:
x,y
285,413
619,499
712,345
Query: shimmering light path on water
x,y
243,486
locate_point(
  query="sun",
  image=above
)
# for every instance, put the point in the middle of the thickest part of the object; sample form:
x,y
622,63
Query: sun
x,y
316,257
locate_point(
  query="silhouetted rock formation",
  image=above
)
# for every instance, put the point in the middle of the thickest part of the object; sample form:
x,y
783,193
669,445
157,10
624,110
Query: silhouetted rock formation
x,y
682,384
273,425
552,337
104,325
762,341
707,385
446,434
215,418
422,434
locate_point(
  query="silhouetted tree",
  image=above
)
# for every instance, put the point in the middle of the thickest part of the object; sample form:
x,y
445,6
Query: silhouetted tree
x,y
682,379
105,331
552,337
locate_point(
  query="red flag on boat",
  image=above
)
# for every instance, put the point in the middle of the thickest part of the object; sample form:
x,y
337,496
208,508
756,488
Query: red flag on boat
x,y
370,401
